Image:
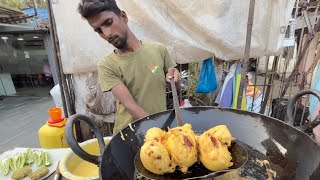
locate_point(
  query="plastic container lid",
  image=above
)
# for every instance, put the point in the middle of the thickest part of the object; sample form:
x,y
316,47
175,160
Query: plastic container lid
x,y
55,113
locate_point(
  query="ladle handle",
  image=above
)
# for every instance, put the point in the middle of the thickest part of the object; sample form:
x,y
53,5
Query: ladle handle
x,y
292,103
74,144
176,102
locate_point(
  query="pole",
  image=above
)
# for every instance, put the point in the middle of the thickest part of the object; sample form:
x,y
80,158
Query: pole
x,y
34,8
269,87
65,111
63,86
245,61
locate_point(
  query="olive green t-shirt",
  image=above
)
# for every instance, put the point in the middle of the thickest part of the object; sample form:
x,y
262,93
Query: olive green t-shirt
x,y
143,73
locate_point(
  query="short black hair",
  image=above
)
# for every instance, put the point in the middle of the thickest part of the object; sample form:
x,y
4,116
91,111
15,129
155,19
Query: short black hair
x,y
89,8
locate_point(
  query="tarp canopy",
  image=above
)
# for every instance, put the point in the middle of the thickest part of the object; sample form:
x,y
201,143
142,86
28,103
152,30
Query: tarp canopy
x,y
193,30
41,13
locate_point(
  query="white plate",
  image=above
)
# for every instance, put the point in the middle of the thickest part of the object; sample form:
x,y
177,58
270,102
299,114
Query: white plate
x,y
55,155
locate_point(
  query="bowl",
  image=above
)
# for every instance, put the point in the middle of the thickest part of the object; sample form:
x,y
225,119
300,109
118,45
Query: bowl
x,y
75,168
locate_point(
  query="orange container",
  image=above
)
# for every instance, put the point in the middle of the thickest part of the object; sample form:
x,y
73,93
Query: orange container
x,y
55,113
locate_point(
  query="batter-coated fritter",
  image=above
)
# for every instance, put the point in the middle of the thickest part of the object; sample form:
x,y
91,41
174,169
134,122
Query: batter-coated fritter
x,y
182,146
155,158
213,152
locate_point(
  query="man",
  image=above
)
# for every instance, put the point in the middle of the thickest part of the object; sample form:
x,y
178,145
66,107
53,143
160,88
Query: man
x,y
136,72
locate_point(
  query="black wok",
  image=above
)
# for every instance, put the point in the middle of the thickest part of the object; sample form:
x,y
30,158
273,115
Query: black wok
x,y
292,154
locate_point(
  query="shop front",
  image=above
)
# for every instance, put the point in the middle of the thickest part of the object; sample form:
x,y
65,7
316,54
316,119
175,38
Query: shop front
x,y
26,62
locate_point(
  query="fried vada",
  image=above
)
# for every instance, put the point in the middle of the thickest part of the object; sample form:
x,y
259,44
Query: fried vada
x,y
182,146
222,133
213,149
155,158
155,134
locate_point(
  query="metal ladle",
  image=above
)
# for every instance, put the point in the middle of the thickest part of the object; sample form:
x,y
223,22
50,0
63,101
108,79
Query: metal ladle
x,y
176,103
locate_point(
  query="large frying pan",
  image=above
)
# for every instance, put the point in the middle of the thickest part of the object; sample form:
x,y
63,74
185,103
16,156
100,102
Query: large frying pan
x,y
292,154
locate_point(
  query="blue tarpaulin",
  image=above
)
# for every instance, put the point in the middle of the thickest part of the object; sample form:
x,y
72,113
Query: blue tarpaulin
x,y
41,13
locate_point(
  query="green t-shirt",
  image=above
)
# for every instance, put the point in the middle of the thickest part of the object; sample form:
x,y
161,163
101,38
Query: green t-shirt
x,y
143,73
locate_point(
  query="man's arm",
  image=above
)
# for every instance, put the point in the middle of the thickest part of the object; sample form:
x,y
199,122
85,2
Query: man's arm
x,y
121,92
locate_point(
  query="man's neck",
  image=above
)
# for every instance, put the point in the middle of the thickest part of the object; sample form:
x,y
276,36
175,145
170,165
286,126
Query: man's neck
x,y
133,44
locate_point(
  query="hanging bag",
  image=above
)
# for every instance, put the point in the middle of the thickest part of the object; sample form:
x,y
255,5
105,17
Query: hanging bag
x,y
207,81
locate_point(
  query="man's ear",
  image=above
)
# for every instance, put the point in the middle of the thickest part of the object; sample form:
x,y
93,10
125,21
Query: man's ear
x,y
124,17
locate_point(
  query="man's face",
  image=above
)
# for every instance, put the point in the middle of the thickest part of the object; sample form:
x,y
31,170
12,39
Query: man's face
x,y
111,27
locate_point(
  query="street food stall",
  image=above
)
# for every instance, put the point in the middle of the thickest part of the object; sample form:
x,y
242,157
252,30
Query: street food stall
x,y
218,142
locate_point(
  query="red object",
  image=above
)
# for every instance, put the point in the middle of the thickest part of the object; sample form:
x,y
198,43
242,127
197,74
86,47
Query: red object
x,y
182,103
57,123
51,121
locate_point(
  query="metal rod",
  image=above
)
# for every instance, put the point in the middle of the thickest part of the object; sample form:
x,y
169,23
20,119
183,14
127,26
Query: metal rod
x,y
284,76
286,62
303,75
314,64
269,102
180,89
245,62
265,79
303,78
297,55
268,90
277,107
294,113
176,103
71,91
34,8
296,11
64,106
304,111
268,73
300,41
274,69
255,82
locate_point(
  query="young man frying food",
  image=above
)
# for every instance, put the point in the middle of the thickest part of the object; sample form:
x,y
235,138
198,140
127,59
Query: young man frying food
x,y
135,72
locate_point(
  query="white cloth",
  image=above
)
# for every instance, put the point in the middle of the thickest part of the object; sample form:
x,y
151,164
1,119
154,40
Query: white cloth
x,y
193,30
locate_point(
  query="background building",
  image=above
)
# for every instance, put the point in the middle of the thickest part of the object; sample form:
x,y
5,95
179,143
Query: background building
x,y
26,62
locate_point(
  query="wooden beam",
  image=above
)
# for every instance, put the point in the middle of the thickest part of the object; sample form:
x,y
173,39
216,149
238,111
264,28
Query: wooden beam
x,y
245,61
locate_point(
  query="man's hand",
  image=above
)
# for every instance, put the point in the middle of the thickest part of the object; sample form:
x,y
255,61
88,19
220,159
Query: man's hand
x,y
122,93
173,73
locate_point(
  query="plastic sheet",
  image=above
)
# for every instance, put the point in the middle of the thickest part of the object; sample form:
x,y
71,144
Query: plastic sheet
x,y
193,30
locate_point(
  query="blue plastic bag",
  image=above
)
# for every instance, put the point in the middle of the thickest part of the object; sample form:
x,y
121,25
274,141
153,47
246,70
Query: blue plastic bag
x,y
207,81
